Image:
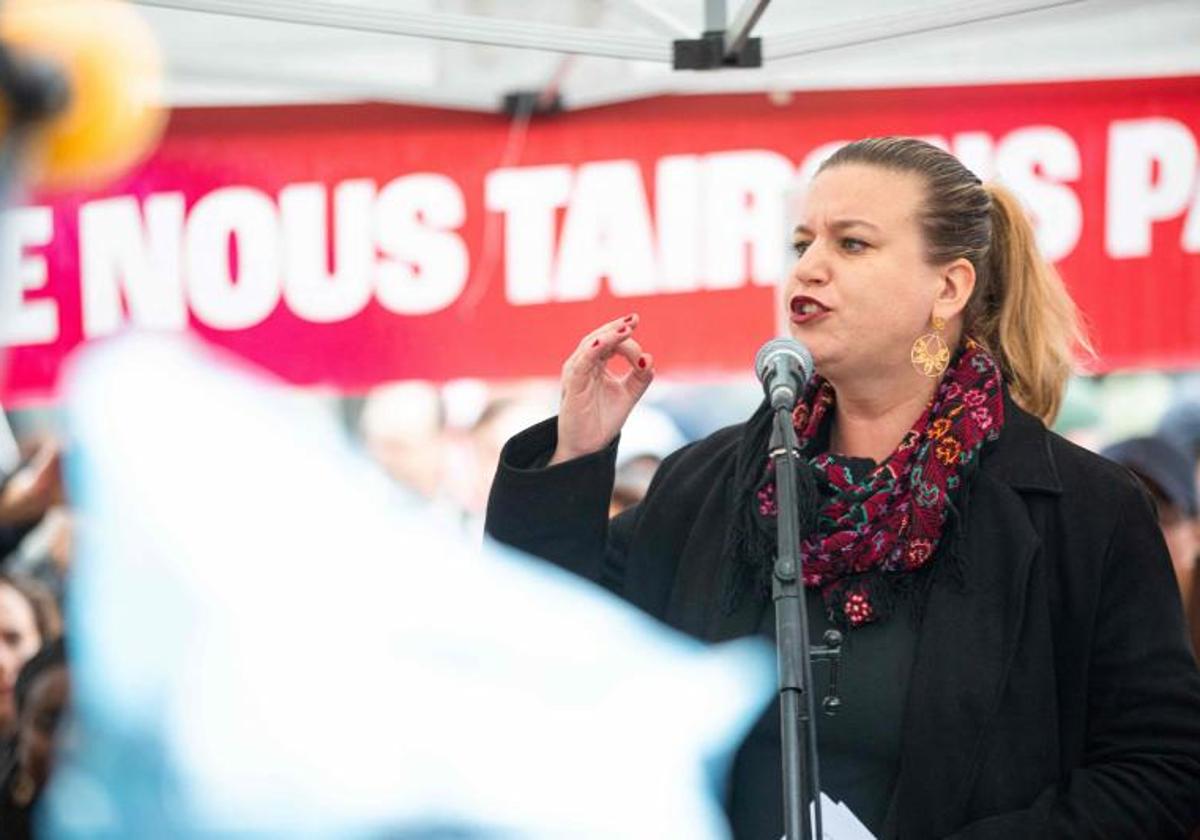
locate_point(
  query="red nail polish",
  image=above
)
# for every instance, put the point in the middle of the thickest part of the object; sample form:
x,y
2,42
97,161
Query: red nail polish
x,y
596,343
622,329
628,318
642,362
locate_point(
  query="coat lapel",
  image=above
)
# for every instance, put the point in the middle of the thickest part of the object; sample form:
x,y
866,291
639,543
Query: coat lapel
x,y
968,635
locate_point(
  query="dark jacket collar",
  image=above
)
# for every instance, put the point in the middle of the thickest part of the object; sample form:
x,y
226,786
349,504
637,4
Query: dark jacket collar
x,y
1022,458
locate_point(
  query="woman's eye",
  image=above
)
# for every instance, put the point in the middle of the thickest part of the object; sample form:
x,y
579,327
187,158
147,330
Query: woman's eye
x,y
853,245
800,248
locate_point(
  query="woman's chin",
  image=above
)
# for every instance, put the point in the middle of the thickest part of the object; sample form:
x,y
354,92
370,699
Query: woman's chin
x,y
820,350
798,332
833,366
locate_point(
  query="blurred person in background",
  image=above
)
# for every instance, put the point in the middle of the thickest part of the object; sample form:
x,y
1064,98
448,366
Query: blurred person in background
x,y
503,415
403,429
1169,475
700,408
648,436
42,693
631,482
31,489
29,619
1181,425
44,554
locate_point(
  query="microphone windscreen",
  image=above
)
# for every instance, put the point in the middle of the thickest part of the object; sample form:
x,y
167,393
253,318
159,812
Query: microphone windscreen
x,y
787,347
114,114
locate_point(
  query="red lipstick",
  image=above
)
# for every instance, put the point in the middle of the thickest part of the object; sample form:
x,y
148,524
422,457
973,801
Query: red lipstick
x,y
805,309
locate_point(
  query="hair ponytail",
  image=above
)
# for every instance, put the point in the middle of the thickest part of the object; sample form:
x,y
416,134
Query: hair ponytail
x,y
1023,313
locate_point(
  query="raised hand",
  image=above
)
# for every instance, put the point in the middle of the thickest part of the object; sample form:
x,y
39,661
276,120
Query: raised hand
x,y
595,401
33,488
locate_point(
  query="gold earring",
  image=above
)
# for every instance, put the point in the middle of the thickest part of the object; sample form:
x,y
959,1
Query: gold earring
x,y
930,355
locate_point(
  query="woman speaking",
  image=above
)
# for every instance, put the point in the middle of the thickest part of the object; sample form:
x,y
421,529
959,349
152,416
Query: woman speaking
x,y
1015,661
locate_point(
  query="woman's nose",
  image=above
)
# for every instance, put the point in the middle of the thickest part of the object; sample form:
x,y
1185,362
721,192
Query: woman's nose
x,y
810,268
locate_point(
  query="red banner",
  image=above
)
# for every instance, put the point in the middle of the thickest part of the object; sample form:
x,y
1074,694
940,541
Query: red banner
x,y
347,245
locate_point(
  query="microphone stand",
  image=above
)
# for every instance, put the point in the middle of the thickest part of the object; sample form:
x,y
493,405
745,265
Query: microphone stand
x,y
801,777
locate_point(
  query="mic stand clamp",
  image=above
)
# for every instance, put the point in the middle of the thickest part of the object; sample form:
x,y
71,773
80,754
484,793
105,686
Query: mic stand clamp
x,y
831,653
801,777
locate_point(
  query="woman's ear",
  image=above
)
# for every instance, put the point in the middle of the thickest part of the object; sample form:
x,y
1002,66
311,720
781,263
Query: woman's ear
x,y
957,283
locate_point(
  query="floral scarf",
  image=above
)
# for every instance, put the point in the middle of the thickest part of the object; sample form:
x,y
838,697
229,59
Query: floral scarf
x,y
871,532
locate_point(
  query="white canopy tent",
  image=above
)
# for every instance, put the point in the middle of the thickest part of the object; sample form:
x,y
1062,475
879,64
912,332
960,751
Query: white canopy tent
x,y
470,53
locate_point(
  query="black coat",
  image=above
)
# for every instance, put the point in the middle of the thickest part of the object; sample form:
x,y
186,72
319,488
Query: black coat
x,y
1053,692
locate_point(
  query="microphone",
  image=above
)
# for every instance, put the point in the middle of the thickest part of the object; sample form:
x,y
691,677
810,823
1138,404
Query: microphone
x,y
783,366
83,78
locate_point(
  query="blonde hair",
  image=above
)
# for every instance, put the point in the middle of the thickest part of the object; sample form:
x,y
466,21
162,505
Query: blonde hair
x,y
1020,310
1036,328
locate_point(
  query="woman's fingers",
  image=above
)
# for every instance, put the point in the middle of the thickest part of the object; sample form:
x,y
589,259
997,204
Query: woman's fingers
x,y
598,347
636,382
596,402
603,334
639,360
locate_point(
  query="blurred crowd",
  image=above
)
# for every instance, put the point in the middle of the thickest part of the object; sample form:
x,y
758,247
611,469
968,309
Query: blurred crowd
x,y
440,444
